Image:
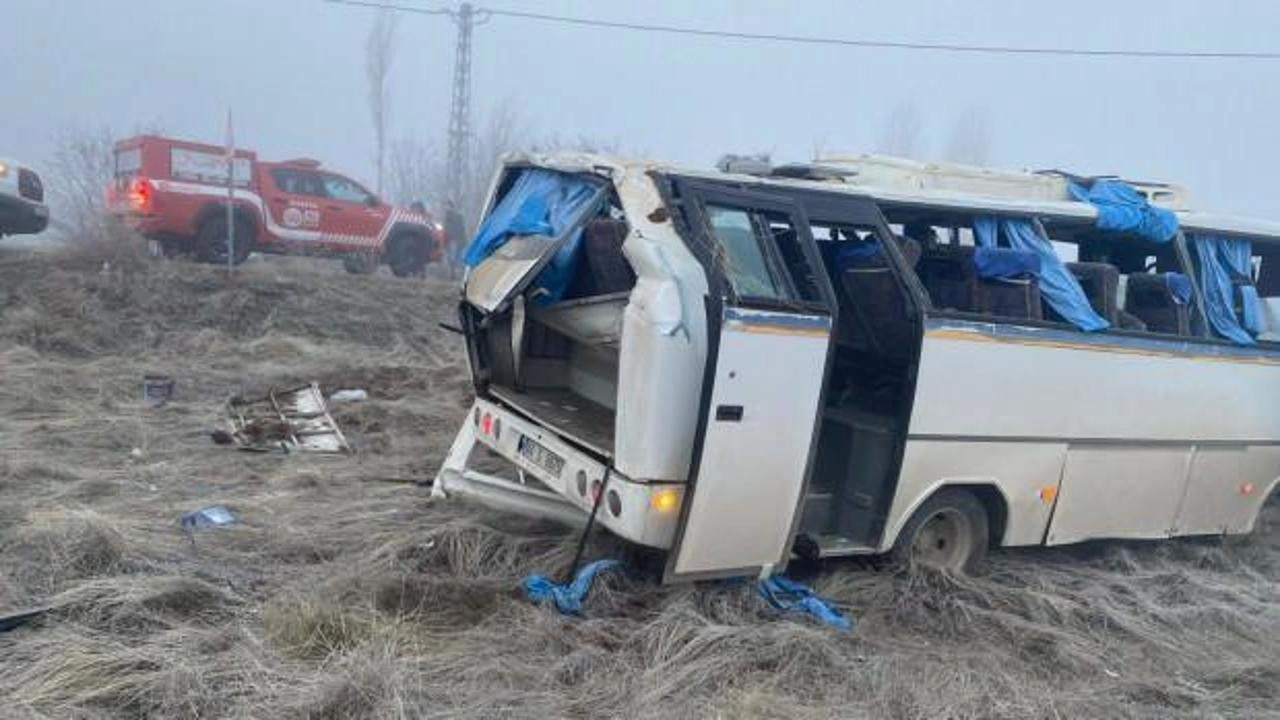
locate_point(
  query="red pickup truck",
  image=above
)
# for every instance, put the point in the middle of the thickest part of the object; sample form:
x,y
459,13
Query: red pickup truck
x,y
175,193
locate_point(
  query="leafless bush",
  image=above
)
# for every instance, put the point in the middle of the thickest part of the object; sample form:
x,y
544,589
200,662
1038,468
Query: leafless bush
x,y
900,132
79,170
970,141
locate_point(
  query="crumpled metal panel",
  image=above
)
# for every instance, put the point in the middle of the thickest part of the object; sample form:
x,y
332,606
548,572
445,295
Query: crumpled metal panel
x,y
294,419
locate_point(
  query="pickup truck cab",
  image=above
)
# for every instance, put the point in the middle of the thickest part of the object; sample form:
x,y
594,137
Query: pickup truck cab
x,y
175,193
22,208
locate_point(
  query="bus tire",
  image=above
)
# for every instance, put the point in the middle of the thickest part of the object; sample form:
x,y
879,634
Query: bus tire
x,y
949,532
407,254
211,240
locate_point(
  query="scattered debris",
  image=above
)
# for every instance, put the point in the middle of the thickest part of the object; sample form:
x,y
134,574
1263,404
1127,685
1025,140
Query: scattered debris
x,y
567,597
17,620
294,419
212,516
342,396
156,390
788,595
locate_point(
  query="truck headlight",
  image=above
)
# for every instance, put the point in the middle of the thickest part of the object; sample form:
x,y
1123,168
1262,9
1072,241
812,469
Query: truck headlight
x,y
4,169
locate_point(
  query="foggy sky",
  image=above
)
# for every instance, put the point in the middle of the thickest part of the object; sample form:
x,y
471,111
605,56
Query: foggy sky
x,y
293,73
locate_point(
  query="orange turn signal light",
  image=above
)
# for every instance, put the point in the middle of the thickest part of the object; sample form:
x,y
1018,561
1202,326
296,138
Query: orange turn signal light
x,y
665,500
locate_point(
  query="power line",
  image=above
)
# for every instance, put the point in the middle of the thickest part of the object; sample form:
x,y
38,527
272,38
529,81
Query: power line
x,y
887,44
482,13
394,6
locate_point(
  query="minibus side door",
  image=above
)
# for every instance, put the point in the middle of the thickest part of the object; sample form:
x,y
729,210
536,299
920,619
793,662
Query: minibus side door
x,y
771,311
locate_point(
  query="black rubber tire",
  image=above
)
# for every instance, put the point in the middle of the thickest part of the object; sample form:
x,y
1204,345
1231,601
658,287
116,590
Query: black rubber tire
x,y
949,532
407,254
211,240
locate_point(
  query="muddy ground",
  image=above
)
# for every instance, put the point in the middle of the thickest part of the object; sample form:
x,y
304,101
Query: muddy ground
x,y
346,592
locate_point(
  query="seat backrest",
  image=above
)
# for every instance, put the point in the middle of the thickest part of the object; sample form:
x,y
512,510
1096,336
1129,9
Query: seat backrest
x,y
602,244
1150,298
948,275
1101,284
880,308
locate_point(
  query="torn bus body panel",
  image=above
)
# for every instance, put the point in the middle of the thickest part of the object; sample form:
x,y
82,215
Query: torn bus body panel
x,y
289,420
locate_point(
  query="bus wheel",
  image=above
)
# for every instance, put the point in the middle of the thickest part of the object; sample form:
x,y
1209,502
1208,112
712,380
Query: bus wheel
x,y
211,240
948,532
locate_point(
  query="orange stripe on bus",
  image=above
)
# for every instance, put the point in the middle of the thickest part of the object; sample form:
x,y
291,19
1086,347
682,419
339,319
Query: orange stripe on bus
x,y
975,336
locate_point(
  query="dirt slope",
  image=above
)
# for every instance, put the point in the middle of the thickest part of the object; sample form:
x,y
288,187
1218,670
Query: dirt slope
x,y
346,593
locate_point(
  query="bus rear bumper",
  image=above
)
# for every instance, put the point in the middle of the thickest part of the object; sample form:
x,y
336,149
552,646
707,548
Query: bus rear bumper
x,y
640,512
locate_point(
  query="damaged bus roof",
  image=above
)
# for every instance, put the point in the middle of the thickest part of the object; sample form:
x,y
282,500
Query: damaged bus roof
x,y
1071,211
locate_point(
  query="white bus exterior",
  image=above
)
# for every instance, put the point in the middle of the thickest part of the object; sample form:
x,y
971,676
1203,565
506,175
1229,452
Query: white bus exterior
x,y
732,414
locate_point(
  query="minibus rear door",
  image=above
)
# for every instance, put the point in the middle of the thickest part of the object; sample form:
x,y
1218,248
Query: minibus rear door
x,y
771,311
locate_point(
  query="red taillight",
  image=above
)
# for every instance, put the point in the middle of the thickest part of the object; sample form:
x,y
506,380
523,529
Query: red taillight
x,y
486,423
140,193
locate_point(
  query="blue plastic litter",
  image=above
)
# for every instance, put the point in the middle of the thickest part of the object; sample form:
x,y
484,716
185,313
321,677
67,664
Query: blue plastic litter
x,y
1004,263
1121,208
1217,258
540,202
790,596
568,597
1057,285
212,516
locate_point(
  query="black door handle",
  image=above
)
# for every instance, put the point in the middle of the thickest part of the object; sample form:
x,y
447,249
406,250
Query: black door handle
x,y
729,413
334,207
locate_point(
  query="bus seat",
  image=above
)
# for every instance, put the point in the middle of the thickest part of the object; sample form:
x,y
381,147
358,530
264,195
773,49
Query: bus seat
x,y
1269,276
1017,298
948,274
1007,283
1101,284
877,304
1153,299
602,245
911,250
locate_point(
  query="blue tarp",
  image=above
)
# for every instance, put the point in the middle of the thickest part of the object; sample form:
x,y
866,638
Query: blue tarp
x,y
1179,286
998,262
1057,285
1123,209
788,595
1217,258
540,202
567,597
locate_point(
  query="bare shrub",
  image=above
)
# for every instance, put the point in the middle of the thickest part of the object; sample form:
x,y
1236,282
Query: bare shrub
x,y
79,170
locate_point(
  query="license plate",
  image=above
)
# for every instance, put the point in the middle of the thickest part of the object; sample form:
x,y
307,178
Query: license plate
x,y
535,453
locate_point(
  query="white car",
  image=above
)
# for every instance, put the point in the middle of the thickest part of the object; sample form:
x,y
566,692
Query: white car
x,y
22,208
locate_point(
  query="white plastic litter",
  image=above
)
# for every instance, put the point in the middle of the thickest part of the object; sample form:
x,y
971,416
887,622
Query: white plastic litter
x,y
340,396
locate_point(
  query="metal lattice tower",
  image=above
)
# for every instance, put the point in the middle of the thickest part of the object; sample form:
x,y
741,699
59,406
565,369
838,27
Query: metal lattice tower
x,y
460,112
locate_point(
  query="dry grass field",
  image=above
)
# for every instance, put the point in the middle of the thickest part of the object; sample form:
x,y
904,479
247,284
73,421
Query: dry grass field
x,y
346,592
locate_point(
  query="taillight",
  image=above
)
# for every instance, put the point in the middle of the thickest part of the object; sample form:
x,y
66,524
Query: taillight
x,y
140,194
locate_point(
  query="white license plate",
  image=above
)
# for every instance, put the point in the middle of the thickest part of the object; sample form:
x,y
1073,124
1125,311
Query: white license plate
x,y
535,453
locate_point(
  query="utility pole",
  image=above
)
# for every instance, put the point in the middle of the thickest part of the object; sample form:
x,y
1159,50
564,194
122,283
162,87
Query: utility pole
x,y
460,111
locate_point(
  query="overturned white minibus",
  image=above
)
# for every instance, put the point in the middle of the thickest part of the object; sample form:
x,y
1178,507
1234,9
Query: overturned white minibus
x,y
866,356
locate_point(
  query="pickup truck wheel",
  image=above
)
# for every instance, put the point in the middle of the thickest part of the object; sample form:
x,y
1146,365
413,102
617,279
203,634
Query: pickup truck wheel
x,y
407,255
948,532
211,240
